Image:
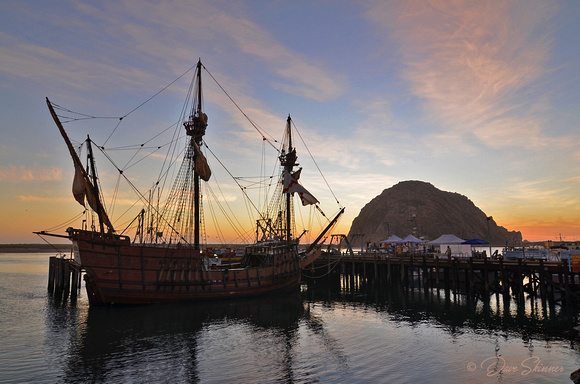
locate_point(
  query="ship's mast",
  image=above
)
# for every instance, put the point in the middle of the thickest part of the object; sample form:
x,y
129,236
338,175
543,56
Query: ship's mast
x,y
94,180
197,139
195,127
289,167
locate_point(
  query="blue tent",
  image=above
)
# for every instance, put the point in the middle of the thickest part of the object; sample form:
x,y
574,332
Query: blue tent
x,y
475,242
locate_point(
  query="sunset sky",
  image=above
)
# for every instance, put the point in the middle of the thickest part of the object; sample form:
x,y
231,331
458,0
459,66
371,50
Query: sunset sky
x,y
479,98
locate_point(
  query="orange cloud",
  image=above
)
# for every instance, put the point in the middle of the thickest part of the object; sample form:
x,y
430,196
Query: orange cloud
x,y
19,173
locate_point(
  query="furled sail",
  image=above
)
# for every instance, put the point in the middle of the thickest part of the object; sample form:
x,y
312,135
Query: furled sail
x,y
83,189
78,188
291,185
200,165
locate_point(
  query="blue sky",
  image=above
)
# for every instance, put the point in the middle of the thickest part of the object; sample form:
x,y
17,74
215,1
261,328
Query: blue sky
x,y
479,98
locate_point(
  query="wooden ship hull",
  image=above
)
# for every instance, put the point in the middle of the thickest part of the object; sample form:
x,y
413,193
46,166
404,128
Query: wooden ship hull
x,y
117,272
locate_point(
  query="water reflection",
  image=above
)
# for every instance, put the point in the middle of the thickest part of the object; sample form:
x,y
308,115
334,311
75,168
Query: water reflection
x,y
296,337
185,342
448,309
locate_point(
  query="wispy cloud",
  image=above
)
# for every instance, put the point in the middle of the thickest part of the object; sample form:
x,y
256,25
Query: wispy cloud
x,y
74,69
302,76
197,26
43,199
473,63
537,190
376,135
19,173
189,30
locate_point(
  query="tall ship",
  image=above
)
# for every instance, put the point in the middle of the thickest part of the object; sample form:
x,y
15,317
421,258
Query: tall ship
x,y
163,254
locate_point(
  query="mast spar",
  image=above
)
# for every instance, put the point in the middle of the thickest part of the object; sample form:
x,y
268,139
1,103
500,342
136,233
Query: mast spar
x,y
195,128
289,167
94,178
83,187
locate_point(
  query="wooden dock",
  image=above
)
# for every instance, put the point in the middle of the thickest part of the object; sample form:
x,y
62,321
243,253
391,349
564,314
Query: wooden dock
x,y
546,279
64,278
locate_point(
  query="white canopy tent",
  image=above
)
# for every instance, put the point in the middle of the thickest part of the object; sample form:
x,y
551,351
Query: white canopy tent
x,y
393,239
413,242
453,242
413,239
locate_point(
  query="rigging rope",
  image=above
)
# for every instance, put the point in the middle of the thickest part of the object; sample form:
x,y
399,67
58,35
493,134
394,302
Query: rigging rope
x,y
236,226
68,119
141,197
146,101
52,245
316,164
67,223
323,266
232,176
173,149
242,112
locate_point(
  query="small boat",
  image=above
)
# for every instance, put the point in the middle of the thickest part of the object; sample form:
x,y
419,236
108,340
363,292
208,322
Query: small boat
x,y
164,259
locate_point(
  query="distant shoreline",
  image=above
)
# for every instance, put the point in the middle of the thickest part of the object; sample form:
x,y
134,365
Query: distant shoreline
x,y
51,248
34,248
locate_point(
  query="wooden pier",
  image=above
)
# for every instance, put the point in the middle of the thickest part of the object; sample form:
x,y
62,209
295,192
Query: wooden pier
x,y
549,280
64,278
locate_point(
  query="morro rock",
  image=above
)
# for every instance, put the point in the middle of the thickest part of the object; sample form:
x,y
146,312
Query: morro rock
x,y
418,208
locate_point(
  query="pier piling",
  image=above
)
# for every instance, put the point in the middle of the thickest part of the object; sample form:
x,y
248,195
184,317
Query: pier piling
x,y
64,277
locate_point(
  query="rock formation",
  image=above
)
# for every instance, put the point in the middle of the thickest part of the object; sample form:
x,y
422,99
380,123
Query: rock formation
x,y
418,208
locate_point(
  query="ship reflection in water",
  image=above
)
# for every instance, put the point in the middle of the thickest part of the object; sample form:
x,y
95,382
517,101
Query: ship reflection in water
x,y
187,342
332,331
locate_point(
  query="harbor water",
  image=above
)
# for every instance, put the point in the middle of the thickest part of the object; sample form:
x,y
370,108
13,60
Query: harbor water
x,y
331,331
